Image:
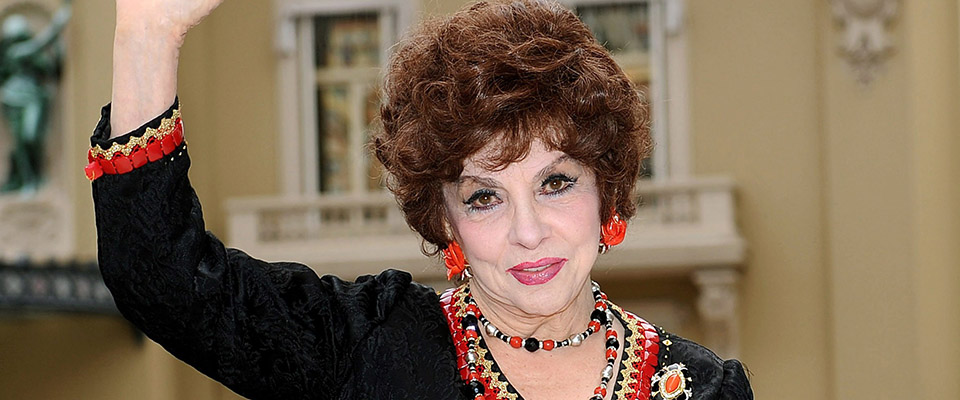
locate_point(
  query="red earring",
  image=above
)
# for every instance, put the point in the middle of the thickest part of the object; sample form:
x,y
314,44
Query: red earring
x,y
454,260
612,233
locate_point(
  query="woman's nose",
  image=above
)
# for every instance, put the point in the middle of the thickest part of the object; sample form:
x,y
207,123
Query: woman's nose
x,y
528,227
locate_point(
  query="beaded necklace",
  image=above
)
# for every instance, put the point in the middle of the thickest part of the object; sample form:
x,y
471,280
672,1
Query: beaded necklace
x,y
601,315
641,350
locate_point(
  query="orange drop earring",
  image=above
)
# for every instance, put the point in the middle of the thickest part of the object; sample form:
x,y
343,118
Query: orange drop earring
x,y
612,232
454,260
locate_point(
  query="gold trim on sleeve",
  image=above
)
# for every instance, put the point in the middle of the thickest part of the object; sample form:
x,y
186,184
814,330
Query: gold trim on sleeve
x,y
167,125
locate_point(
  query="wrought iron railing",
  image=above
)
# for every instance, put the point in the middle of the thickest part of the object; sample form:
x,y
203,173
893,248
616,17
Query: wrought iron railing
x,y
53,286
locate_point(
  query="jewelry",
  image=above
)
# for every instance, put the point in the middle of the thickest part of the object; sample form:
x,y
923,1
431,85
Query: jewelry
x,y
475,387
672,384
641,351
612,232
454,260
153,145
597,318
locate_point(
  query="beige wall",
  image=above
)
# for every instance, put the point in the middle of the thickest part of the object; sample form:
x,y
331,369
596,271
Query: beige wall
x,y
933,104
847,196
755,110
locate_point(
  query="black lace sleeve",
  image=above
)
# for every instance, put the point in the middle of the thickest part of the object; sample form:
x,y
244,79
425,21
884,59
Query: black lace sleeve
x,y
265,330
708,376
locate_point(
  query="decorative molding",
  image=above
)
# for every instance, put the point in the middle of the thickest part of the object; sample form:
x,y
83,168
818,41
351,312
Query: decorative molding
x,y
680,226
38,226
674,17
718,306
865,43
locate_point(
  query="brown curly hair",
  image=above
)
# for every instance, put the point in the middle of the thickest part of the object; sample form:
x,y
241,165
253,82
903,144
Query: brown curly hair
x,y
511,72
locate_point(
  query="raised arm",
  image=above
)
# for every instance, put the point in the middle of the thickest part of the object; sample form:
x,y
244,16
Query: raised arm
x,y
262,329
146,50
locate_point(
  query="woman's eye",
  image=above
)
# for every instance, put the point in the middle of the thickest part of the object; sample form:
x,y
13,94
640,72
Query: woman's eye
x,y
557,184
482,200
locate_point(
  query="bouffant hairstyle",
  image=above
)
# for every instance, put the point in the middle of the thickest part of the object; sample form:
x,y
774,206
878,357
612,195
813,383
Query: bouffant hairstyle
x,y
505,72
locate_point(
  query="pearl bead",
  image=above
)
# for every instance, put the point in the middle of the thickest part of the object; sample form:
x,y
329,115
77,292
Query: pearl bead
x,y
472,356
576,340
608,371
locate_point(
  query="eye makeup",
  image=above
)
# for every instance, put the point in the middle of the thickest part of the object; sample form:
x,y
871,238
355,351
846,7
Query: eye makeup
x,y
565,183
476,201
487,199
556,179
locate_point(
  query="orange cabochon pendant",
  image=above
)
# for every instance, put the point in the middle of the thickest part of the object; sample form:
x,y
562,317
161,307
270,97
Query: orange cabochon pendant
x,y
673,384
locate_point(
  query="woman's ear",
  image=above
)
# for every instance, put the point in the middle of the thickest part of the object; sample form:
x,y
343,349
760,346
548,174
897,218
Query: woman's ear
x,y
448,229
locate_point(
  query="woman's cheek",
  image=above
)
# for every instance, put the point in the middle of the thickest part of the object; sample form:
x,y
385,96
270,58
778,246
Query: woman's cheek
x,y
483,239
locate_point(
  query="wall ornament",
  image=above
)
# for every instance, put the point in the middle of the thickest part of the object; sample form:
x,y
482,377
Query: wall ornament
x,y
865,41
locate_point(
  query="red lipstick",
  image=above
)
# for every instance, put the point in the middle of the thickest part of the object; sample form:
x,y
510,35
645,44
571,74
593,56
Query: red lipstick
x,y
537,272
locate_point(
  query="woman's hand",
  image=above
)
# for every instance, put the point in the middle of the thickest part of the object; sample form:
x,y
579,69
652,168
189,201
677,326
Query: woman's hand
x,y
146,50
173,17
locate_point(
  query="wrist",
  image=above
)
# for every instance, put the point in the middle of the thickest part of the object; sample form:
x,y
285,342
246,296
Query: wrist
x,y
145,62
156,35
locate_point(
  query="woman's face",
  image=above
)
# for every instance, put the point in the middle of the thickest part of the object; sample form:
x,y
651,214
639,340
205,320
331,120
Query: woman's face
x,y
529,231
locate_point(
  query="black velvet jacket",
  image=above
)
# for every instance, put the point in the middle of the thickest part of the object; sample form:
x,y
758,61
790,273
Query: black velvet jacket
x,y
277,330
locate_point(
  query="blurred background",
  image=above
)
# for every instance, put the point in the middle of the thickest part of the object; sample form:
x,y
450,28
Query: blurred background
x,y
801,211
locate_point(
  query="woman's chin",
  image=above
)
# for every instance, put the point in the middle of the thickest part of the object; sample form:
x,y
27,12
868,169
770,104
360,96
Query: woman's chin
x,y
543,306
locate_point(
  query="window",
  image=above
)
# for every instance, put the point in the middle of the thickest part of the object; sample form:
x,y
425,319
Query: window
x,y
347,57
624,29
332,56
643,36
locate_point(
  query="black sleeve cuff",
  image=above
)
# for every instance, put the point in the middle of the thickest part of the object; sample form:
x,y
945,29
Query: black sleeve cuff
x,y
101,134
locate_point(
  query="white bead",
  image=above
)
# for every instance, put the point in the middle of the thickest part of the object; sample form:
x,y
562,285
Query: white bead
x,y
472,356
576,340
491,330
608,371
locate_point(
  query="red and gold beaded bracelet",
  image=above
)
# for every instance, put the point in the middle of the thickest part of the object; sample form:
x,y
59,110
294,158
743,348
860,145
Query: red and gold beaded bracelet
x,y
151,146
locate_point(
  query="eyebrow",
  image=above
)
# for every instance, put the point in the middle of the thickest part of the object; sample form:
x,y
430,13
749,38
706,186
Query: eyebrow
x,y
546,170
482,181
492,182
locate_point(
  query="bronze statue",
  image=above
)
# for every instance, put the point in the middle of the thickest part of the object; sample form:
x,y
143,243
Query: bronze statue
x,y
29,64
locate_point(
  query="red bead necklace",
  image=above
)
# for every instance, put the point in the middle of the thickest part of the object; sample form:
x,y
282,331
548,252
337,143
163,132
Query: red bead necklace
x,y
597,318
601,315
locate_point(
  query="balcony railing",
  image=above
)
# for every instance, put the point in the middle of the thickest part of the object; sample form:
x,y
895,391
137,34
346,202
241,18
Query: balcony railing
x,y
680,224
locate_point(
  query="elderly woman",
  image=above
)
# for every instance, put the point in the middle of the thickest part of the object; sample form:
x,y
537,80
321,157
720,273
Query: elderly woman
x,y
512,142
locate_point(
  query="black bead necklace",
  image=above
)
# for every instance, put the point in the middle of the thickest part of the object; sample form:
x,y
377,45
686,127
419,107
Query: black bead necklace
x,y
600,315
597,318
